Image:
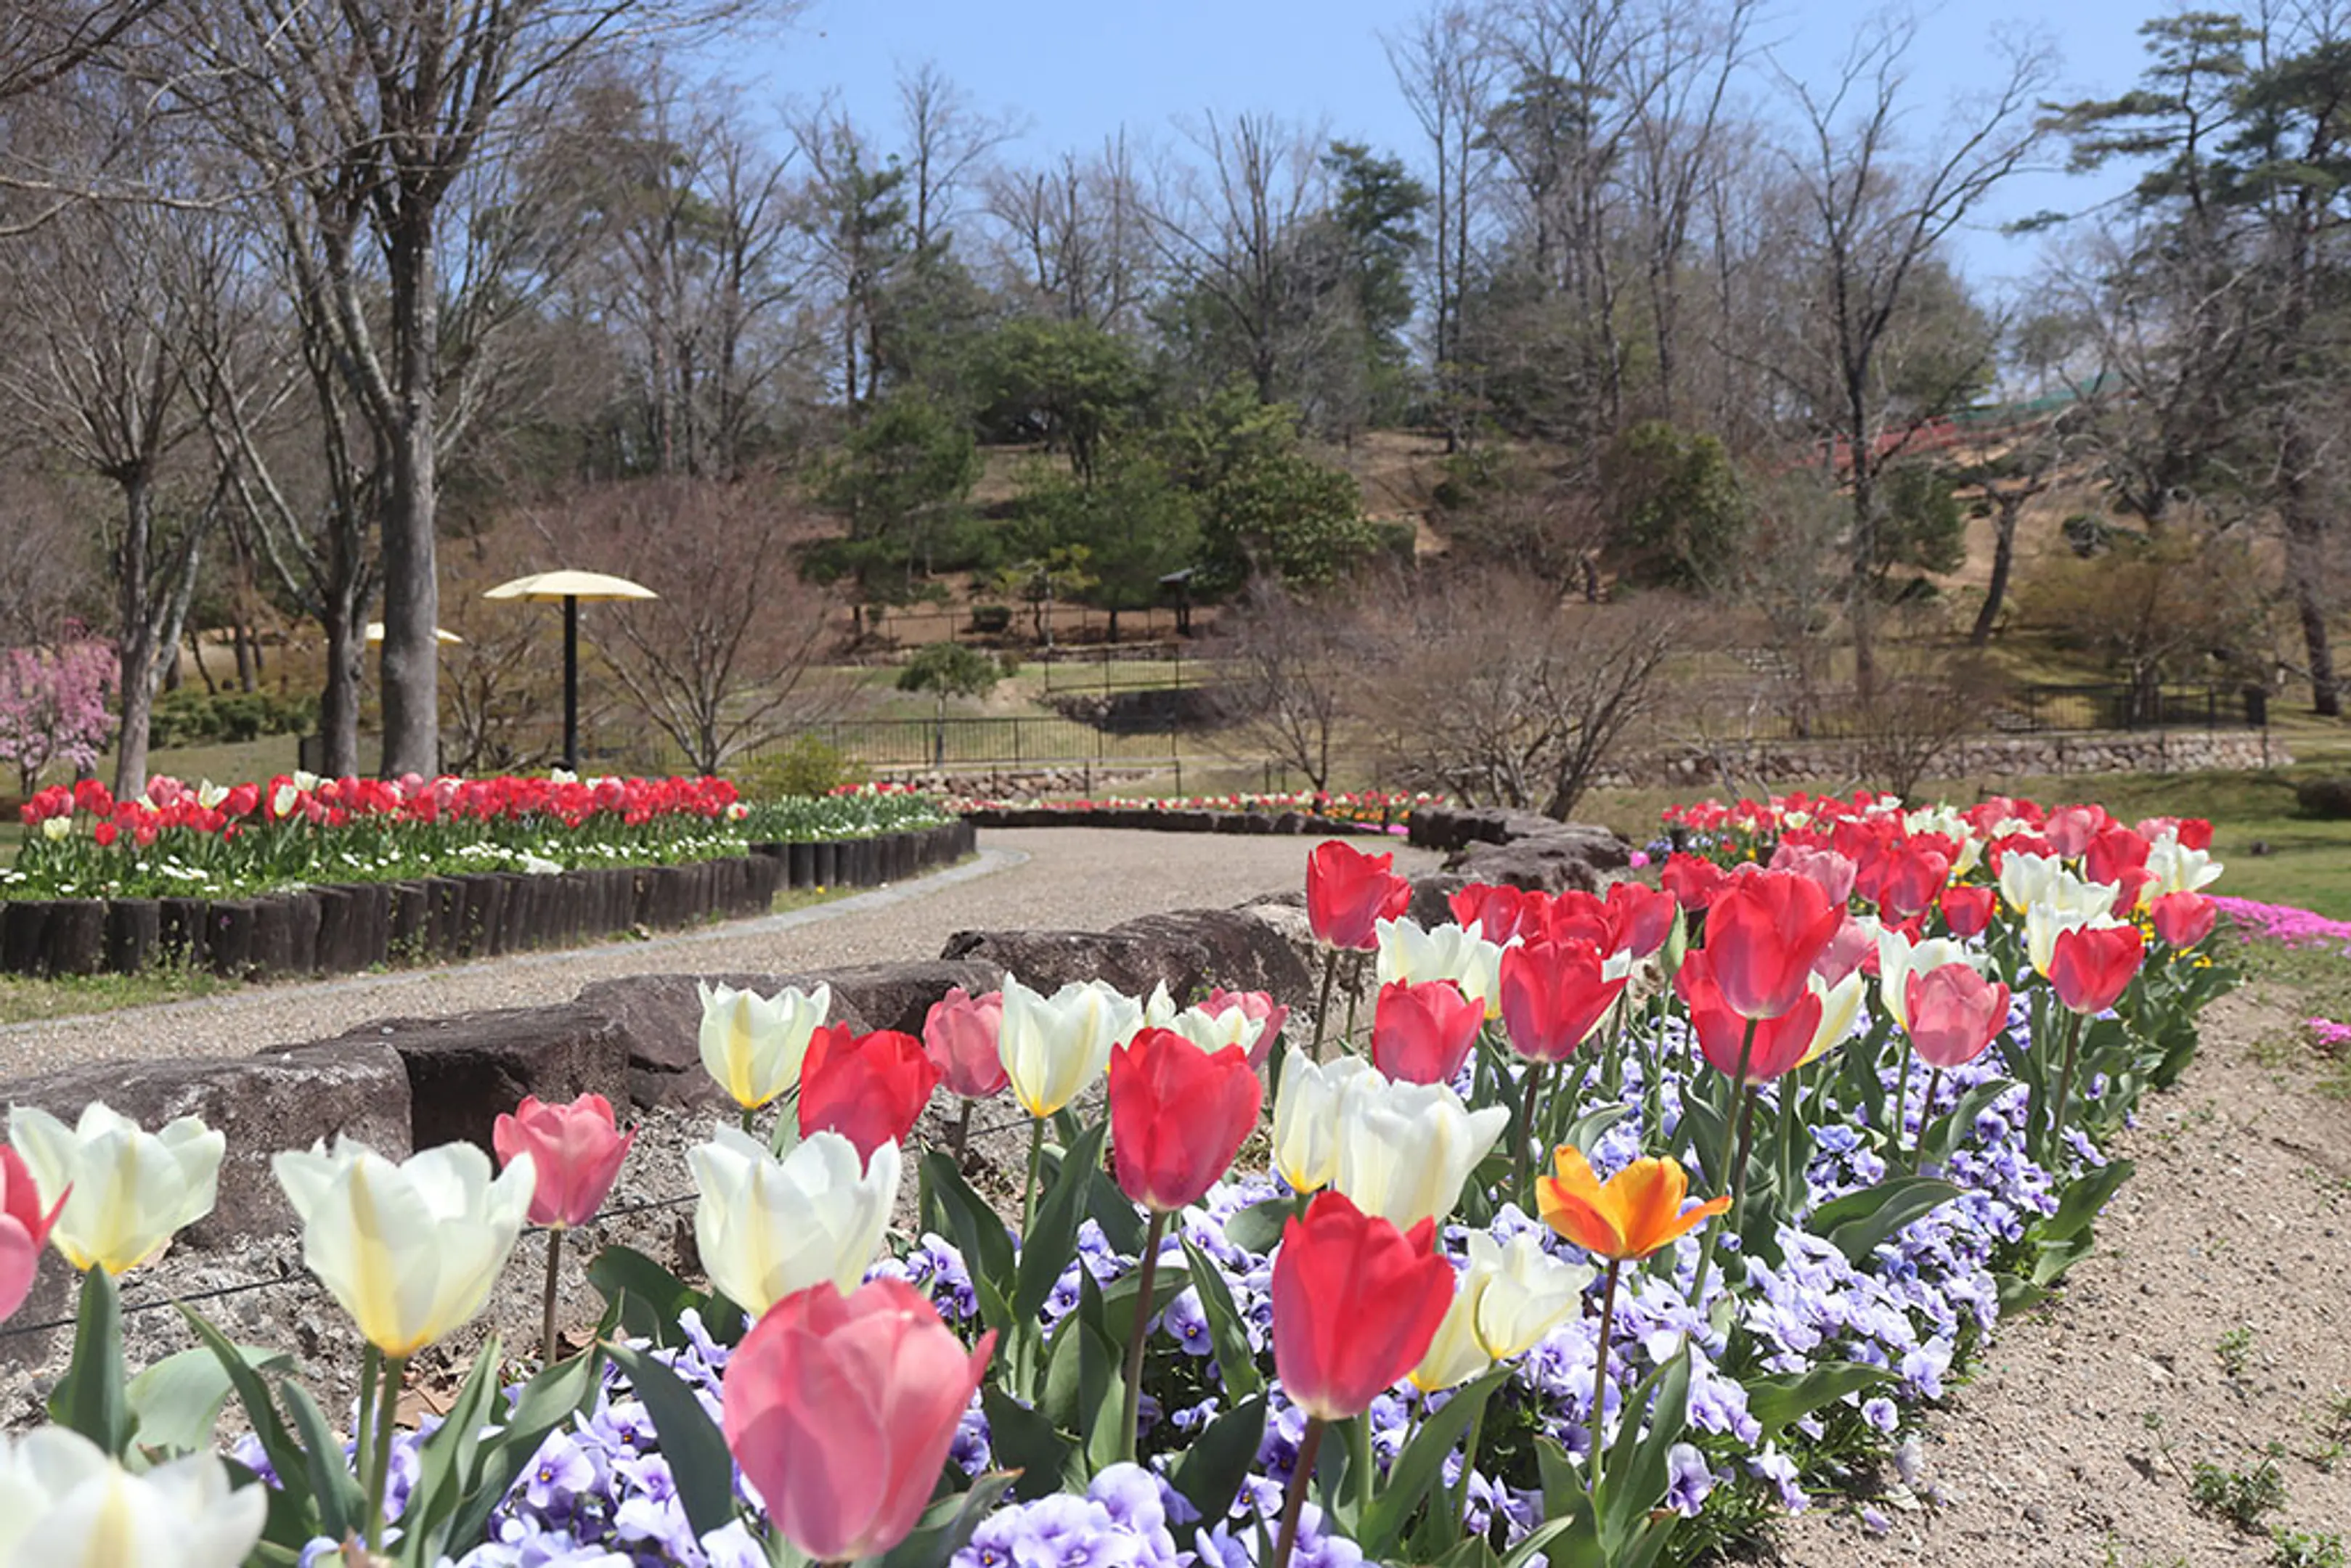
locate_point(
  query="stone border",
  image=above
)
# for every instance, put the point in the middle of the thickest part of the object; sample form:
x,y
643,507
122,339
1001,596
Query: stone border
x,y
348,927
1168,819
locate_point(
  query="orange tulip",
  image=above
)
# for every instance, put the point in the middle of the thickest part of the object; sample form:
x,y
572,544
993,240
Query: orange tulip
x,y
1638,1210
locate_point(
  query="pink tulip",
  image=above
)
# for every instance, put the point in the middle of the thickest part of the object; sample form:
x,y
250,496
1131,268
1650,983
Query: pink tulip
x,y
1954,1014
1258,1008
1854,947
576,1150
24,1231
841,1410
1832,871
959,1034
2184,919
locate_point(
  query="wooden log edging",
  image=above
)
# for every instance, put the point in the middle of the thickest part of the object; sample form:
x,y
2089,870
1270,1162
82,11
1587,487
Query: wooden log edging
x,y
343,928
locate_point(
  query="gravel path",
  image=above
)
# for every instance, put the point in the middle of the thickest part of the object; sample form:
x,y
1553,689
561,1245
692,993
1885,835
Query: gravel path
x,y
1037,878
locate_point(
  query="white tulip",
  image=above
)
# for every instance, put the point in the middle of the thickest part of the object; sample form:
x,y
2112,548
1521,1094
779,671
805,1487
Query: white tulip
x,y
1840,1005
410,1250
754,1045
1527,1292
2172,868
1412,952
2023,877
767,1227
1055,1048
1898,959
1306,1117
1456,1356
1404,1149
130,1189
2045,922
66,1503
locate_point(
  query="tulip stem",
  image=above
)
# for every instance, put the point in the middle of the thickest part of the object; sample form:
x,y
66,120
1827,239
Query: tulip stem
x,y
1468,1467
1036,1165
363,1436
1524,1184
547,1315
1146,1270
1600,1379
379,1460
962,1133
2056,1129
1308,1447
1900,1123
1322,1007
750,1119
1926,1113
1354,991
1746,1099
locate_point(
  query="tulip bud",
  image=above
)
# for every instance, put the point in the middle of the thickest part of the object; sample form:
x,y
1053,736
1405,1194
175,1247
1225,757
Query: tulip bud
x,y
960,1034
1178,1114
1306,1119
2183,919
2091,966
840,1409
125,1190
1055,1048
869,1088
24,1231
1953,1014
65,1501
1423,1033
576,1149
767,1227
1347,891
410,1250
754,1045
1355,1304
1405,1149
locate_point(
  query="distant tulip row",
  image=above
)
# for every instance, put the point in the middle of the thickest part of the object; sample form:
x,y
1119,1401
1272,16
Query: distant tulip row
x,y
213,840
1477,1216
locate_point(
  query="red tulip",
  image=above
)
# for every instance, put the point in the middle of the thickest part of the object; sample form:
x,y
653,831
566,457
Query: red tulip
x,y
1832,871
1910,880
1258,1007
1967,910
24,1229
575,1150
2183,919
1762,935
1553,996
1422,1033
1178,1114
1693,882
841,1410
2071,828
1576,916
1349,892
869,1088
2113,853
1779,1042
1954,1013
1645,917
959,1036
1355,1303
1500,912
2093,966
2129,882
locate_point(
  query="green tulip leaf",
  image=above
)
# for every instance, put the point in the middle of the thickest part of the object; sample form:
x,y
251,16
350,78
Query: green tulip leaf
x,y
980,1235
1236,1362
696,1450
546,1403
1059,1213
650,1298
1636,1467
947,1525
1027,1441
1257,1227
286,1456
1945,1132
91,1399
1211,1470
1859,1222
2081,1202
175,1404
1422,1462
1588,1129
1775,1401
341,1499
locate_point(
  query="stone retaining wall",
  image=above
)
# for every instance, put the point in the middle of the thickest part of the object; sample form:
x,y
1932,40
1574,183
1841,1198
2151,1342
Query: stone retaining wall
x,y
2022,756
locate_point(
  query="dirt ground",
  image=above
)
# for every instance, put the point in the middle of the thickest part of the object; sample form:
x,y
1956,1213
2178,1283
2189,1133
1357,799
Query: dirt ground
x,y
2212,1326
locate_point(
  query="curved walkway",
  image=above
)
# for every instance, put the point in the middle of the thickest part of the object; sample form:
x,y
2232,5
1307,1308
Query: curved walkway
x,y
1034,878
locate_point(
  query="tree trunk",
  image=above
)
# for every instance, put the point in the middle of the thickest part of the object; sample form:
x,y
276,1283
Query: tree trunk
x,y
2003,560
135,650
411,592
2303,564
338,696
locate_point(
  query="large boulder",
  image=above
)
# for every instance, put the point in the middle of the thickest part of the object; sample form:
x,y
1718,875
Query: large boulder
x,y
1569,855
462,1071
285,1100
1186,950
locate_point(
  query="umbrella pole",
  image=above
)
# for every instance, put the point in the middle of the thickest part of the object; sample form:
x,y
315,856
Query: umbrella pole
x,y
571,683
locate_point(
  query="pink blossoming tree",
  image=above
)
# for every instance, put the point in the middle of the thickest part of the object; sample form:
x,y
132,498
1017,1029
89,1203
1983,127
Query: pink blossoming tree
x,y
57,705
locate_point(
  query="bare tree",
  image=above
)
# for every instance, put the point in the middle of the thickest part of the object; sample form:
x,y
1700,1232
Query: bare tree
x,y
727,658
1492,692
1289,665
1229,230
1076,235
1446,69
1873,224
948,144
45,565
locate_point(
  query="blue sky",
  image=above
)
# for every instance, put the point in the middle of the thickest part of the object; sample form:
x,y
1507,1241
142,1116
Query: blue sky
x,y
1074,70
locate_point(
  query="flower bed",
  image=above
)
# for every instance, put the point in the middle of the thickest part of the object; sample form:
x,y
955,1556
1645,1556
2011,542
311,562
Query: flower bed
x,y
305,875
1889,1051
1299,811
